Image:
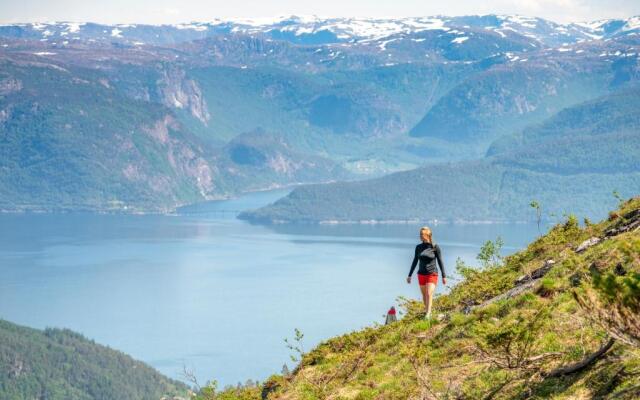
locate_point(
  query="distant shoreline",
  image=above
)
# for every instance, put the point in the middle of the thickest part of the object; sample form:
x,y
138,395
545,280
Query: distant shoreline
x,y
387,222
133,209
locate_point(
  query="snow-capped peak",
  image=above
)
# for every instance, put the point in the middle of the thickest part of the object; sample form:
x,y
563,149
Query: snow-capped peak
x,y
313,29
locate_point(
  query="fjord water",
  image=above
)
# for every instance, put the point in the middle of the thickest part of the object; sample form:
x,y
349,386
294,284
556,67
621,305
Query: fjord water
x,y
205,291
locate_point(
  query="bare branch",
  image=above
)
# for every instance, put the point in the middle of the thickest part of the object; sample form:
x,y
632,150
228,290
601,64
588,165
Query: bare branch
x,y
570,369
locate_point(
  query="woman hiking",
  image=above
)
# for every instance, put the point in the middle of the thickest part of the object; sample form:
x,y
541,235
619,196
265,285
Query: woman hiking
x,y
427,253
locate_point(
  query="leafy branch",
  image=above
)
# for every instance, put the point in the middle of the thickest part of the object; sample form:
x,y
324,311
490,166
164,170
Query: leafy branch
x,y
296,346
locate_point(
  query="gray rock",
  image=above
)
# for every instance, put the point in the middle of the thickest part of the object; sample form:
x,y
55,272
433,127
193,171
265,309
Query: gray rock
x,y
511,293
527,282
588,243
536,273
628,222
542,271
522,279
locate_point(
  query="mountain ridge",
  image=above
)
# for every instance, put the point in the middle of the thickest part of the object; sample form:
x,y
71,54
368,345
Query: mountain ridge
x,y
337,29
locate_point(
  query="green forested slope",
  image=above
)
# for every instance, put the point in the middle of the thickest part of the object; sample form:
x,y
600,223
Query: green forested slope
x,y
614,113
60,364
466,192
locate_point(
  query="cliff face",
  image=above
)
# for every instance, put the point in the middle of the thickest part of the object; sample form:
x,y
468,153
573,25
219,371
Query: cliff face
x,y
558,319
177,91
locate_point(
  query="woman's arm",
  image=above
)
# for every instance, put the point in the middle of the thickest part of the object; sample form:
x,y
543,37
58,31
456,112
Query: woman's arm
x,y
414,262
439,257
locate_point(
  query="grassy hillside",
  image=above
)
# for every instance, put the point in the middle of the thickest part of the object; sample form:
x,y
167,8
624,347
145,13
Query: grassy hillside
x,y
558,319
60,364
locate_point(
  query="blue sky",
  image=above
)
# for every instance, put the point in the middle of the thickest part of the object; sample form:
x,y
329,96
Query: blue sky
x,y
170,11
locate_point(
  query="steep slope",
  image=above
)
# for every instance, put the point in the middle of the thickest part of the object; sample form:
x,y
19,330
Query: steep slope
x,y
617,112
558,319
68,142
526,89
599,136
60,364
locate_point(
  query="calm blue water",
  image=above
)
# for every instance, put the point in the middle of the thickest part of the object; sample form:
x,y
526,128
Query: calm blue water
x,y
211,293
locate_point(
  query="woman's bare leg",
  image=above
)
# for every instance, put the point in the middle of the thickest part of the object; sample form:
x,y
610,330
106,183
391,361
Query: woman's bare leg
x,y
423,290
430,289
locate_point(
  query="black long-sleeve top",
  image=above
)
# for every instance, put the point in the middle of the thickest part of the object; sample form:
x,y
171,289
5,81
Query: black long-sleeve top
x,y
427,254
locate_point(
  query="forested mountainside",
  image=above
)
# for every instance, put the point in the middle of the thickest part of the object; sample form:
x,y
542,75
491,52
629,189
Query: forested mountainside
x,y
61,364
138,118
571,163
558,319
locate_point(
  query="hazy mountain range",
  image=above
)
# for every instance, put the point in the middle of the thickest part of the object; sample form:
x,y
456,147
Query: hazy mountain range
x,y
571,163
147,118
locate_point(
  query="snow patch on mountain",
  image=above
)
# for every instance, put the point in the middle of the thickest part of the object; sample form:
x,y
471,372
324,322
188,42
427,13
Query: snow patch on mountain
x,y
383,44
73,27
527,22
38,26
343,28
195,27
459,40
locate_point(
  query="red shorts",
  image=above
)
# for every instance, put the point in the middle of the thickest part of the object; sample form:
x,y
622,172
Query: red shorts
x,y
429,278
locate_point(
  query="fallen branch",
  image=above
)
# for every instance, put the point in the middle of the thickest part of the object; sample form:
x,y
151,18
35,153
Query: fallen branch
x,y
570,369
